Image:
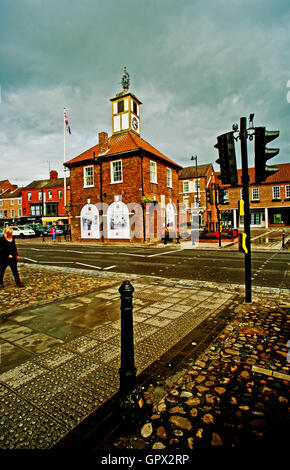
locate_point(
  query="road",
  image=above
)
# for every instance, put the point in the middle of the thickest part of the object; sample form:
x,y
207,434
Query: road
x,y
269,269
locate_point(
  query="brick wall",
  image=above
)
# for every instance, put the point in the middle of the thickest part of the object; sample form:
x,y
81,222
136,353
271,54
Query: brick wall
x,y
129,191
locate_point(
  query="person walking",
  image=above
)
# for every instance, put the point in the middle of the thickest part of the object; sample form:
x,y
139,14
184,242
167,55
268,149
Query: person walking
x,y
53,233
9,256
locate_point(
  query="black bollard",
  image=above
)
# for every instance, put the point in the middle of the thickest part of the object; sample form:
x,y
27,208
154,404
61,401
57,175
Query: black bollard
x,y
283,239
131,399
127,371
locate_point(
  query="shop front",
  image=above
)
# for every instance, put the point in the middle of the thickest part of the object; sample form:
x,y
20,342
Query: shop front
x,y
279,216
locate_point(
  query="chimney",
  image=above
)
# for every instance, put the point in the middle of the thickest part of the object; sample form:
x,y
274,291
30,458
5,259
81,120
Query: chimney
x,y
103,142
53,175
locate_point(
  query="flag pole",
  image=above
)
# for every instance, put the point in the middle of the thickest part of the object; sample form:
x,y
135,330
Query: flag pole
x,y
64,149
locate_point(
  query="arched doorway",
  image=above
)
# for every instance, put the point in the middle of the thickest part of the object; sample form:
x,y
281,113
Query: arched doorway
x,y
118,220
170,217
90,227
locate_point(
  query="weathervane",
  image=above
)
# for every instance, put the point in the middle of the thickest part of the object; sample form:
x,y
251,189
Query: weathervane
x,y
125,80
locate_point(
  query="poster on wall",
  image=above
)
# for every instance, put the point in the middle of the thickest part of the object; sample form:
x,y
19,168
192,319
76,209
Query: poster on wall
x,y
90,222
118,220
170,217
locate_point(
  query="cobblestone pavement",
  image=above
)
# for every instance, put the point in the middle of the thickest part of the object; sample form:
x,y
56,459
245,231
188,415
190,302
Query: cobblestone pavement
x,y
60,359
42,286
235,395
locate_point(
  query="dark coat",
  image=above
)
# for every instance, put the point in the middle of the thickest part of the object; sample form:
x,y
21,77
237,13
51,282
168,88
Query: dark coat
x,y
7,248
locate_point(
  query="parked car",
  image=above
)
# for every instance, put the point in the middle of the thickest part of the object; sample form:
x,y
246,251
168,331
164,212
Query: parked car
x,y
23,232
38,229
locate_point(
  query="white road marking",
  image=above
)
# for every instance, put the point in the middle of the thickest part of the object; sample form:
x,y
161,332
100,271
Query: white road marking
x,y
89,265
57,262
164,253
33,260
110,267
132,254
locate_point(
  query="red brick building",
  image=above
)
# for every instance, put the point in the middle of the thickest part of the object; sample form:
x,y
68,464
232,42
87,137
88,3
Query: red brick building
x,y
193,183
269,201
123,188
43,201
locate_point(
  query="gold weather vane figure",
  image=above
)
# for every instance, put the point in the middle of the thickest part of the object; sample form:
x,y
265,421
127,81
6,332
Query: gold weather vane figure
x,y
125,80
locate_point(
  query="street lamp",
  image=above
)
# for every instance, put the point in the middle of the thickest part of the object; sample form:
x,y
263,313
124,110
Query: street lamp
x,y
197,196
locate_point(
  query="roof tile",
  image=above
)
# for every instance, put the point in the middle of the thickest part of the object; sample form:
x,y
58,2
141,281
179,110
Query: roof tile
x,y
118,144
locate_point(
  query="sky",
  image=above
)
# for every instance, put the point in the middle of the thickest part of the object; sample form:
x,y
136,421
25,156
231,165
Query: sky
x,y
197,67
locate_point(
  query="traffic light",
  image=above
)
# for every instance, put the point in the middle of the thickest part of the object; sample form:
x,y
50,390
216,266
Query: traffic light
x,y
243,243
262,153
209,195
227,159
222,196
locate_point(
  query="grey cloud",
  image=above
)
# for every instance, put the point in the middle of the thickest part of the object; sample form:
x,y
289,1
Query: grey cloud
x,y
196,66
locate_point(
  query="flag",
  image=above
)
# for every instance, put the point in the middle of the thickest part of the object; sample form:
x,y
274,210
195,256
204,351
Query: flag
x,y
67,123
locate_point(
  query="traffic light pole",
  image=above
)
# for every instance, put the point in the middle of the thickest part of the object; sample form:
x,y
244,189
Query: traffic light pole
x,y
218,214
245,173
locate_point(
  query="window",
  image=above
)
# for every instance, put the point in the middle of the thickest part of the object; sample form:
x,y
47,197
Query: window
x,y
255,218
1,213
1,203
51,208
49,194
153,172
116,172
287,191
40,195
196,185
185,186
60,194
169,177
88,176
19,213
185,202
226,195
35,210
11,202
120,106
255,194
28,196
12,212
19,202
241,194
134,107
276,192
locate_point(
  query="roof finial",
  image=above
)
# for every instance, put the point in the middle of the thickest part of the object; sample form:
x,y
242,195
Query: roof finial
x,y
125,80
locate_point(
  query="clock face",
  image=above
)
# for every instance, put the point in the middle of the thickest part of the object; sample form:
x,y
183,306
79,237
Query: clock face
x,y
135,123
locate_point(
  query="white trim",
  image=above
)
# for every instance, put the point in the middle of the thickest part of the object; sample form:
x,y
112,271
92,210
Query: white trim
x,y
273,196
170,170
255,198
112,172
85,176
156,178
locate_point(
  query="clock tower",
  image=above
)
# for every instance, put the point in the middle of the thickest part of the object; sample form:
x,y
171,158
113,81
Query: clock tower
x,y
125,109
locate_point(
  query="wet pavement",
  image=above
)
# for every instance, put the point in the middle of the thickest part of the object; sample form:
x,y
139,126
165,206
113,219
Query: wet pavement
x,y
60,360
214,370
